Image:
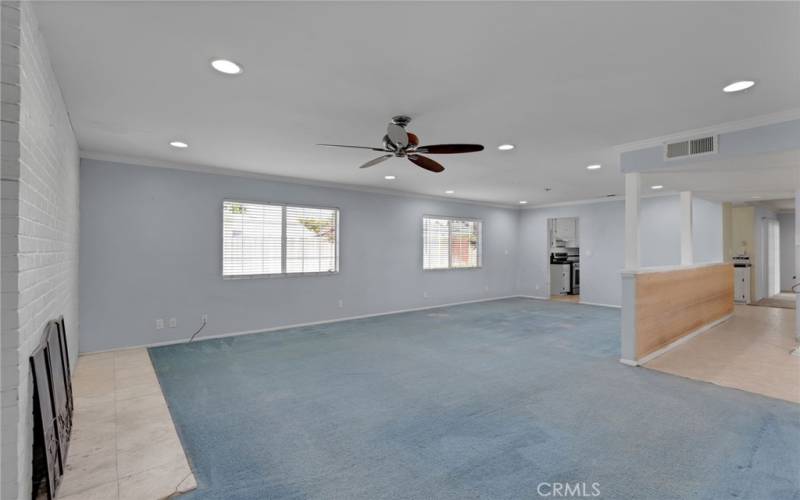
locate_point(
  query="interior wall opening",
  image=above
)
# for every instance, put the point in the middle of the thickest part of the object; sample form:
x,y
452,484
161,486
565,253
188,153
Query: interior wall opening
x,y
563,247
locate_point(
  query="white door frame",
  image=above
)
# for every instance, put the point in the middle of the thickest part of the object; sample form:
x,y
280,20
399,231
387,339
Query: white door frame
x,y
773,257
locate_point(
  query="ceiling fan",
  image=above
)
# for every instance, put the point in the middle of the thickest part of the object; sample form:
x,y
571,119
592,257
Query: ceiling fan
x,y
402,144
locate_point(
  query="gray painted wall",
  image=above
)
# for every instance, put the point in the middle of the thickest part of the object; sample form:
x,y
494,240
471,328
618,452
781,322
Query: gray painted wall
x,y
787,224
601,235
150,248
707,231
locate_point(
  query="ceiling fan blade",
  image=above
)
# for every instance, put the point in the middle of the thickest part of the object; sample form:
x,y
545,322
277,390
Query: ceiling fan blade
x,y
376,161
397,135
448,149
357,147
425,163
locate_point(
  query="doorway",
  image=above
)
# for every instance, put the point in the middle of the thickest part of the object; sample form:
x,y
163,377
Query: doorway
x,y
563,256
775,271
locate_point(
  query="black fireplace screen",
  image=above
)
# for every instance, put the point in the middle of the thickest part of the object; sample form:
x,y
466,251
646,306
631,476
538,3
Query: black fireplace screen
x,y
52,403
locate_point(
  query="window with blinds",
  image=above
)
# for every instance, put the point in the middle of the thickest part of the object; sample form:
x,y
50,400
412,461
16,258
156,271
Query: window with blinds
x,y
450,243
268,239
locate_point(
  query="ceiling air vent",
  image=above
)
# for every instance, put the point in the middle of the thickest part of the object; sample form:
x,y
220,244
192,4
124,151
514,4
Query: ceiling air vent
x,y
690,147
677,149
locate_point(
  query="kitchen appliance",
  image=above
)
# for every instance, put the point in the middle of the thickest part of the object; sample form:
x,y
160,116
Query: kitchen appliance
x,y
741,277
575,268
564,270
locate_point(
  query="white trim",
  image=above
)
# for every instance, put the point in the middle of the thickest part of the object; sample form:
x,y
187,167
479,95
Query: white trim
x,y
682,340
300,325
722,128
592,201
232,172
687,235
670,268
534,297
598,304
628,362
633,194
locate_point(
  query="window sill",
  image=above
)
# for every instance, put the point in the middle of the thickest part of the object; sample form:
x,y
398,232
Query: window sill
x,y
277,275
453,269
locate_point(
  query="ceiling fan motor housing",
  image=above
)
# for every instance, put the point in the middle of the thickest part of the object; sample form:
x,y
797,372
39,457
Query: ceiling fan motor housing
x,y
401,120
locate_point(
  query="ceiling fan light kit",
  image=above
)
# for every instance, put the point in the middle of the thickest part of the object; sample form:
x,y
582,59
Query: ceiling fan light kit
x,y
400,143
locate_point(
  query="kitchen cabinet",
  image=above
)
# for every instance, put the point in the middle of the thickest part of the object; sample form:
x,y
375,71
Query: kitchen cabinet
x,y
560,279
741,286
566,229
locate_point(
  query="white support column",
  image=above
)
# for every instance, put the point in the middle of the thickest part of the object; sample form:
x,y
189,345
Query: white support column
x,y
633,192
687,252
797,253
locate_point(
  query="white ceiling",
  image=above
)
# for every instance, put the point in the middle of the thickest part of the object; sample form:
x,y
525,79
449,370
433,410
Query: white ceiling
x,y
565,82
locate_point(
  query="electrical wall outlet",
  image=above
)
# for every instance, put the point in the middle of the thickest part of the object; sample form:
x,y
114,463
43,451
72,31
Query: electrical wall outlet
x,y
425,295
486,288
537,287
204,318
341,303
173,322
159,324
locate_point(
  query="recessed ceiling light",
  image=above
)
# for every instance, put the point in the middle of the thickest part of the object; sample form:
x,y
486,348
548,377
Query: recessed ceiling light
x,y
226,66
523,202
505,147
738,86
449,191
594,167
179,144
657,187
389,177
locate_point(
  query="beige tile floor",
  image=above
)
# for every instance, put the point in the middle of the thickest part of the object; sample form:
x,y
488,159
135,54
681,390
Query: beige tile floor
x,y
124,445
783,299
751,351
566,298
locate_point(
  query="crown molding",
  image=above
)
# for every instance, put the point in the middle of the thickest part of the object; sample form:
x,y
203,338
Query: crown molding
x,y
592,201
226,171
722,128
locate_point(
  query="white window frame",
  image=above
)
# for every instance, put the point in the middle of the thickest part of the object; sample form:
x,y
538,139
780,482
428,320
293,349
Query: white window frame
x,y
283,273
449,239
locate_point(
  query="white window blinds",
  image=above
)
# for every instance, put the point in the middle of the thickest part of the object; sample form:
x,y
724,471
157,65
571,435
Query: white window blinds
x,y
311,240
267,239
450,243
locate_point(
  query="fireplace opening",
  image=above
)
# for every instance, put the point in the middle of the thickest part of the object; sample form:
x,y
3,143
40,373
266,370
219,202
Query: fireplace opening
x,y
52,410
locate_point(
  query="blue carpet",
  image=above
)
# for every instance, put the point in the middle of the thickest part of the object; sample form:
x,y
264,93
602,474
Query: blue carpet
x,y
482,400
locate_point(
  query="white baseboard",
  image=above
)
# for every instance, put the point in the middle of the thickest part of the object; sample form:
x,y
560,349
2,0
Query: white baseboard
x,y
653,355
299,325
600,305
535,297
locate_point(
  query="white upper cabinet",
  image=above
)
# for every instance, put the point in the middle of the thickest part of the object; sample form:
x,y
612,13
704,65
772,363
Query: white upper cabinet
x,y
566,229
